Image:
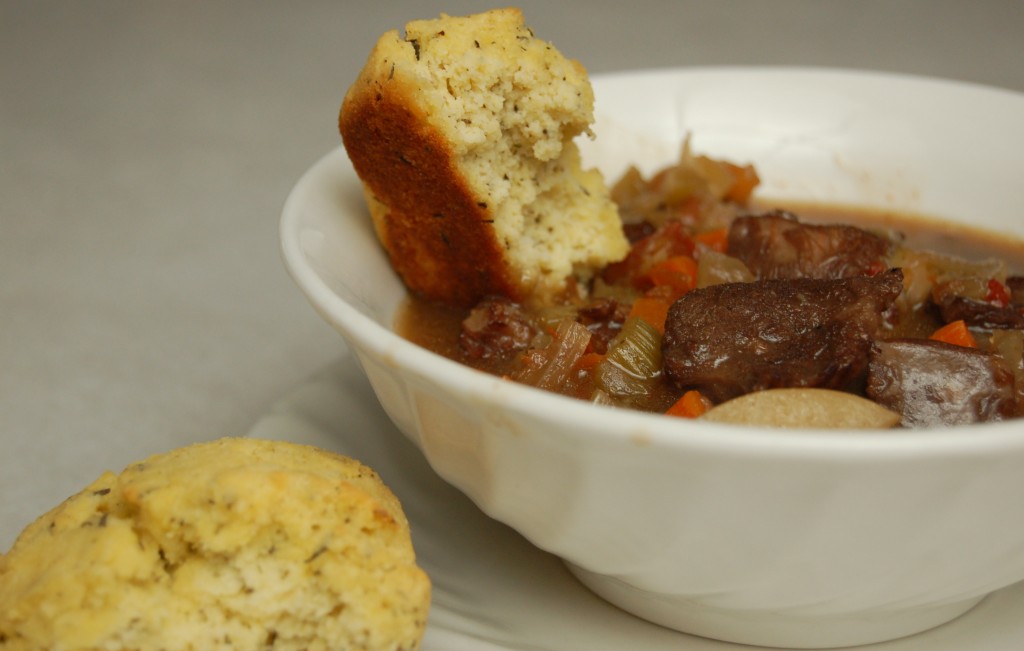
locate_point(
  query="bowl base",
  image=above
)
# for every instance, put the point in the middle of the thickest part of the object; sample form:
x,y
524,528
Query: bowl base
x,y
770,628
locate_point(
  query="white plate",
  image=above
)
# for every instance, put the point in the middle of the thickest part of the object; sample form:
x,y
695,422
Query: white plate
x,y
493,591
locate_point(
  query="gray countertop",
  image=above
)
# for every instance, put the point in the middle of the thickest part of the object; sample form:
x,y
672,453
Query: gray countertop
x,y
146,149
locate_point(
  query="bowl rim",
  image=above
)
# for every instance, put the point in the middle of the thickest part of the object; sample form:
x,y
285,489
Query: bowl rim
x,y
807,71
613,425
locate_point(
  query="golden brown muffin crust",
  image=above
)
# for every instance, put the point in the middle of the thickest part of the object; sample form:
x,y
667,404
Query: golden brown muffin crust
x,y
439,239
461,132
229,545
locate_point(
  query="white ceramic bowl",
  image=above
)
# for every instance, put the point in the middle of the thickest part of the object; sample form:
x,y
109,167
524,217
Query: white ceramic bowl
x,y
793,538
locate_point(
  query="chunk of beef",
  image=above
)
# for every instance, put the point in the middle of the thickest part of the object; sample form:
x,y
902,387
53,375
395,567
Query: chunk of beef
x,y
604,318
980,314
1016,286
935,384
777,245
1009,344
636,231
496,327
730,339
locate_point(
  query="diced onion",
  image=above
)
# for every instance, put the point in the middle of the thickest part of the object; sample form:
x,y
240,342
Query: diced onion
x,y
558,358
716,268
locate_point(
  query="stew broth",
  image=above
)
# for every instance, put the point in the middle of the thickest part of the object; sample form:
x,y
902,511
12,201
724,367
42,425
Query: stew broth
x,y
611,311
436,327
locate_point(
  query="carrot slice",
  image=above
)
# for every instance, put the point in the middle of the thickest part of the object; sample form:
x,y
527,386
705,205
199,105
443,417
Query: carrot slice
x,y
745,180
955,333
690,405
652,310
588,361
678,273
716,240
682,264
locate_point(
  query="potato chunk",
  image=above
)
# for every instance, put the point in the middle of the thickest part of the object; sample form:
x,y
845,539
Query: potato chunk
x,y
803,408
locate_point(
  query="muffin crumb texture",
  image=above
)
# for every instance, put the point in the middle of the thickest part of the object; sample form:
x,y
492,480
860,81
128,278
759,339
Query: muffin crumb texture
x,y
229,545
462,130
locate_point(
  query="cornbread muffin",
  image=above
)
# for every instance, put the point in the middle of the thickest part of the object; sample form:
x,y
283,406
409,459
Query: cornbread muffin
x,y
462,134
235,544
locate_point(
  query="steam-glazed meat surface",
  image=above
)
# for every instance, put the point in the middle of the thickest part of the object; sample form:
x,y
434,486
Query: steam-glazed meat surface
x,y
981,314
730,339
931,383
777,245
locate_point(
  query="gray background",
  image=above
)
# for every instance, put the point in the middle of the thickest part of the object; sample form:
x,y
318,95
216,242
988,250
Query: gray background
x,y
146,149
